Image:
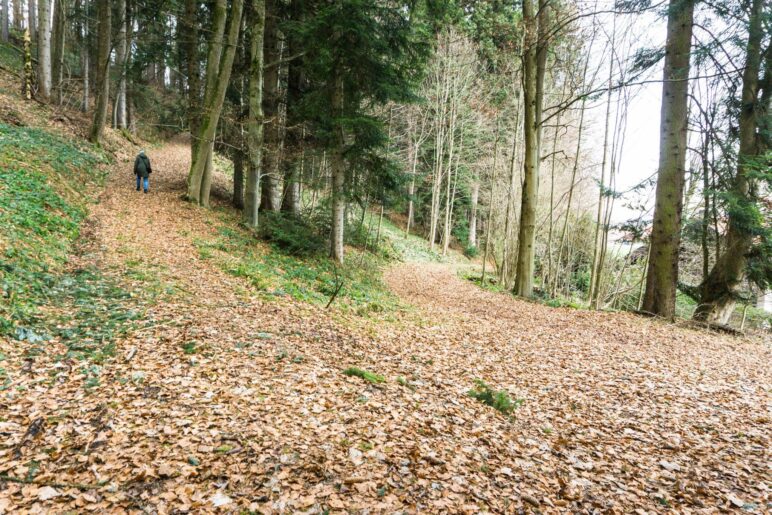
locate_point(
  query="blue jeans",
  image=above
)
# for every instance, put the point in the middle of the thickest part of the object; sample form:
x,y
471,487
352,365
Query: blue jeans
x,y
145,182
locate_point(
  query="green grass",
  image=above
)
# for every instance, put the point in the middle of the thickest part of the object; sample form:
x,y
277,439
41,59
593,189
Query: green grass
x,y
370,377
314,278
499,400
45,189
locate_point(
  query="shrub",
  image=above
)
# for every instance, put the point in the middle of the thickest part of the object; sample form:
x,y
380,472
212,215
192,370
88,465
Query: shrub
x,y
471,251
497,399
292,234
364,374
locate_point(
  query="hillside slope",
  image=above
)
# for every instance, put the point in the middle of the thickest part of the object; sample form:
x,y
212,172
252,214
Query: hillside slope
x,y
210,392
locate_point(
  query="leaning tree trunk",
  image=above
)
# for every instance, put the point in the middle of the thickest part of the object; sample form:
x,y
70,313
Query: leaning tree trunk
x,y
255,117
720,290
662,274
44,50
218,73
103,68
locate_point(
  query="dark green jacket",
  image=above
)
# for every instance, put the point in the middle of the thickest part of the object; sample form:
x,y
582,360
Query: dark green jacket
x,y
142,166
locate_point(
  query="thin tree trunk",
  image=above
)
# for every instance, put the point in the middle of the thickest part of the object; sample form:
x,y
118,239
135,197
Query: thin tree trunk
x,y
489,223
338,167
255,117
190,25
17,16
57,66
595,270
32,10
103,68
121,60
44,50
84,55
662,276
510,194
473,198
571,187
26,85
4,27
720,290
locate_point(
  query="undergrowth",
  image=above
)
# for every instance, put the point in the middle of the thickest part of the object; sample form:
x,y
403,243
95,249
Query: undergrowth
x,y
289,262
45,187
499,400
370,377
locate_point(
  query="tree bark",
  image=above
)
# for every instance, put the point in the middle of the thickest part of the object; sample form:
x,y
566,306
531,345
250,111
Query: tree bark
x,y
662,274
534,63
103,68
84,54
57,65
4,27
473,197
32,11
238,179
273,134
218,71
255,117
338,169
44,50
720,289
17,16
121,60
26,85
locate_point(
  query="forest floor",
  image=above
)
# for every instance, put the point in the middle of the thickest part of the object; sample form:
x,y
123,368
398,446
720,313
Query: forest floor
x,y
223,400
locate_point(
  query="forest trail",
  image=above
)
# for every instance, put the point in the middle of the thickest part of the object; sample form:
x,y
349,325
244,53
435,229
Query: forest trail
x,y
618,412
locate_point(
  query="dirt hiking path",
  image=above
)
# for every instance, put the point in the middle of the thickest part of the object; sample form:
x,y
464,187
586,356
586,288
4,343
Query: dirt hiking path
x,y
618,413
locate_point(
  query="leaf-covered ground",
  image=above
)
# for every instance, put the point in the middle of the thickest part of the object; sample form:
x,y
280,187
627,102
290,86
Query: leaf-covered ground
x,y
224,400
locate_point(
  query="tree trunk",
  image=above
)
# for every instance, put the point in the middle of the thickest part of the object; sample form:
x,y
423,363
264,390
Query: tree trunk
x,y
218,71
720,289
338,169
17,16
293,154
534,63
32,10
121,60
474,195
255,117
238,179
662,275
190,25
57,65
26,85
4,28
489,221
44,50
82,29
103,68
273,139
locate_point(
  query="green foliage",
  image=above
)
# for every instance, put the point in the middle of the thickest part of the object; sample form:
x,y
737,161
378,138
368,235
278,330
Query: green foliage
x,y
364,374
309,277
292,234
43,185
497,399
39,224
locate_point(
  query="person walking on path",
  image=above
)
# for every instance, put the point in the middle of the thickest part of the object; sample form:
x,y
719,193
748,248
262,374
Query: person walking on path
x,y
142,170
